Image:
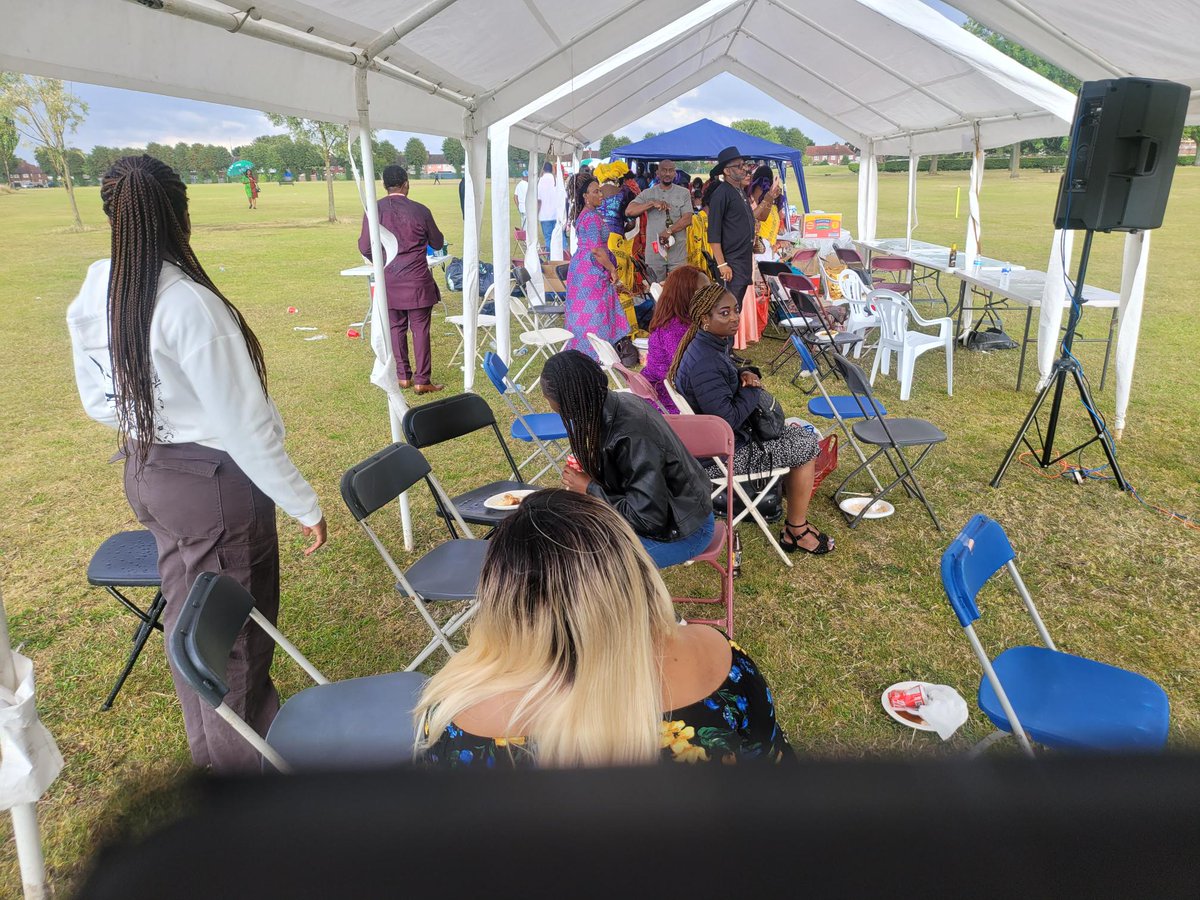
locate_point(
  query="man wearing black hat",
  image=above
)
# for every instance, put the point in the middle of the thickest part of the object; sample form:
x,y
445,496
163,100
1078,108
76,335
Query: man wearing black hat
x,y
731,224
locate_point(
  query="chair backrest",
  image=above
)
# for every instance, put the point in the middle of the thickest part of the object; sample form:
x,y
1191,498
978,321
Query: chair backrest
x,y
793,282
807,363
496,371
681,404
204,634
811,308
639,386
563,271
979,552
446,419
381,478
521,275
860,386
893,315
849,256
852,288
604,350
655,290
774,269
803,256
891,264
519,234
704,436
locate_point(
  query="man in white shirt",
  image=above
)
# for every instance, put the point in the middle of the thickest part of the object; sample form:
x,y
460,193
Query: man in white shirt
x,y
520,193
547,198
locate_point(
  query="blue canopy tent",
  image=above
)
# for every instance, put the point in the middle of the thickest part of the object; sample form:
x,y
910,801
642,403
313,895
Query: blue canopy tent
x,y
704,139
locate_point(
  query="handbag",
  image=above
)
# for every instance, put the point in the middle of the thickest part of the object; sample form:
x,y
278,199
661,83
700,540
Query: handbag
x,y
627,352
760,246
767,420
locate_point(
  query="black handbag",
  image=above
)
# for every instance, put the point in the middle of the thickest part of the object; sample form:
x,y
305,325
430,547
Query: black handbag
x,y
767,420
628,353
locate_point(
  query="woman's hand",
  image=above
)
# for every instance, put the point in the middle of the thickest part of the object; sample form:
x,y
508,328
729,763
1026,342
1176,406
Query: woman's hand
x,y
749,379
614,277
318,533
574,480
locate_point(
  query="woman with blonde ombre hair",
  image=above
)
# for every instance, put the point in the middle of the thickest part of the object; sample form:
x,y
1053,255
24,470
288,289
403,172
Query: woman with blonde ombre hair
x,y
576,659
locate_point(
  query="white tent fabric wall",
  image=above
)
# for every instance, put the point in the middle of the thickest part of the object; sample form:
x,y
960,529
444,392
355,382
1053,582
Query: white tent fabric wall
x,y
560,212
868,192
502,226
475,174
911,216
1055,300
1133,293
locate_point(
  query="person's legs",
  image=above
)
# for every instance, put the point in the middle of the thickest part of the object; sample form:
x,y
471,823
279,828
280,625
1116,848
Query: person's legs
x,y
737,287
547,233
674,553
798,488
400,322
418,323
657,266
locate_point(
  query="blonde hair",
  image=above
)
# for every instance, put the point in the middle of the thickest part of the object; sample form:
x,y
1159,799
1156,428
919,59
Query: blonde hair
x,y
573,616
702,304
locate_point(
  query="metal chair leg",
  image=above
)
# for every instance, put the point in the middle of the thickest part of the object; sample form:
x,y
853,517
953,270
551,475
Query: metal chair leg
x,y
145,628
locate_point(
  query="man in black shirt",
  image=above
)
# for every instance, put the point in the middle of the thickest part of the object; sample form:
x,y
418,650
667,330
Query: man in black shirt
x,y
731,223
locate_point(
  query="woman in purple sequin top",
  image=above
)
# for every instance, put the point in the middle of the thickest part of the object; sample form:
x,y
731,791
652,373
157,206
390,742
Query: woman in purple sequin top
x,y
668,327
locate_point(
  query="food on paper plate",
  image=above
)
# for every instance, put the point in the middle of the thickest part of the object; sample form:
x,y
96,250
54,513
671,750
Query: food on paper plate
x,y
510,500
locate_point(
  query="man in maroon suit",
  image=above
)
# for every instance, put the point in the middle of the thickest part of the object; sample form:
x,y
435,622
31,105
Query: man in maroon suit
x,y
411,290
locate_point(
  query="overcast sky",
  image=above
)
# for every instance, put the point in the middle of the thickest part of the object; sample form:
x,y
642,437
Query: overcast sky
x,y
118,118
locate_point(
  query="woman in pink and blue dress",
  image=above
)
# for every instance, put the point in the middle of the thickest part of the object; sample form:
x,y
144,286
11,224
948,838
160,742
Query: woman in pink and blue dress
x,y
592,301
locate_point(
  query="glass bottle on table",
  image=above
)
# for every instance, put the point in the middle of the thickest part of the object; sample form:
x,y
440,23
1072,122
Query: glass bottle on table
x,y
953,260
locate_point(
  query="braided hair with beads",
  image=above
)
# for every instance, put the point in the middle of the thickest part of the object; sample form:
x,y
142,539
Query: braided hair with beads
x,y
576,384
702,304
146,204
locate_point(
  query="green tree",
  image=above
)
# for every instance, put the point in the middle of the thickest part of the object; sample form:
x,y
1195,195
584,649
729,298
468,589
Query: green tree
x,y
792,137
649,134
455,153
757,127
611,142
325,136
384,154
518,161
163,153
1193,132
9,138
416,153
45,112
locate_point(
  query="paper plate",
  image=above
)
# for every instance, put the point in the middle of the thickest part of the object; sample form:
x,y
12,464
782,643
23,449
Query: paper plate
x,y
880,509
904,716
823,335
495,501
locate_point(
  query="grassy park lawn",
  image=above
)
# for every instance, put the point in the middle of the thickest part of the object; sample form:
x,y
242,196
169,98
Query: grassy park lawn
x,y
1113,579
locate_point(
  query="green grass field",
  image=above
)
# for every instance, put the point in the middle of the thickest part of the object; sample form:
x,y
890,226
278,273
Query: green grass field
x,y
1113,579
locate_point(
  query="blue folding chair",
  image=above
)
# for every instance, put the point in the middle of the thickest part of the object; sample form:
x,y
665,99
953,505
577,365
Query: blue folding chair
x,y
1064,701
544,430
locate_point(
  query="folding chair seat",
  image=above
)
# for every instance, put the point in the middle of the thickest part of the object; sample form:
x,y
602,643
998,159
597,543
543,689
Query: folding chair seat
x,y
448,572
544,430
129,559
890,436
544,342
358,723
710,437
895,336
788,321
485,326
445,420
820,334
1042,694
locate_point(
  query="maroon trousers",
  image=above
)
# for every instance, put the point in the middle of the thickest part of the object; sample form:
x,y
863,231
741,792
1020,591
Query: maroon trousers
x,y
207,516
417,321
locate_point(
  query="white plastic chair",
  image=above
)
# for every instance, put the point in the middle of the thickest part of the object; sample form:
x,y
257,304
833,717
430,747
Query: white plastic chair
x,y
608,357
862,317
543,342
896,337
486,324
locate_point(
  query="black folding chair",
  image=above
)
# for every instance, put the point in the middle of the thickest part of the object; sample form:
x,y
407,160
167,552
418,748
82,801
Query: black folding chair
x,y
358,723
447,573
538,304
890,435
815,328
129,559
445,420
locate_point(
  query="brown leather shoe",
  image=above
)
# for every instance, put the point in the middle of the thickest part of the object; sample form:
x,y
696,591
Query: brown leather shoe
x,y
429,388
405,382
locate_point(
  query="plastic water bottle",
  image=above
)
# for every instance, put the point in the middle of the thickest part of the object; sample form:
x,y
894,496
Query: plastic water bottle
x,y
977,267
1005,274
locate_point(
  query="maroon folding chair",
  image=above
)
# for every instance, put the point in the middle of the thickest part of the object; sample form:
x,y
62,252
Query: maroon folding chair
x,y
710,437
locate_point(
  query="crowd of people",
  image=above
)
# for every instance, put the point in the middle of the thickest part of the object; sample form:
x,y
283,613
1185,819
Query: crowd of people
x,y
575,656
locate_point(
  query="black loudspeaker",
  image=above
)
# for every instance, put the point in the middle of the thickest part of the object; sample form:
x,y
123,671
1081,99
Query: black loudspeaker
x,y
1124,148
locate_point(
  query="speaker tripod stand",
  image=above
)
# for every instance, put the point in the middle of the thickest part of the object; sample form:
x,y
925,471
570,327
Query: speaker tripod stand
x,y
1066,366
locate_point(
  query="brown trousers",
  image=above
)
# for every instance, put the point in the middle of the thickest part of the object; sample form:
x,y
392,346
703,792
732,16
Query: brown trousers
x,y
207,516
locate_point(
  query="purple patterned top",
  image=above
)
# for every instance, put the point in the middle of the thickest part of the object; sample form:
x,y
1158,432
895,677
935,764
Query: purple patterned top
x,y
660,353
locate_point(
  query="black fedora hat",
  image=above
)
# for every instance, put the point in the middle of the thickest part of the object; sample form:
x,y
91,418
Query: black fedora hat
x,y
724,158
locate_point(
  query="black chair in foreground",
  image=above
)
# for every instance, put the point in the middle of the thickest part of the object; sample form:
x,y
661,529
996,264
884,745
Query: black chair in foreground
x,y
890,435
447,573
359,723
129,559
453,417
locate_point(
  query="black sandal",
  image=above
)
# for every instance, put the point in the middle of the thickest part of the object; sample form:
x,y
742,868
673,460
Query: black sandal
x,y
789,538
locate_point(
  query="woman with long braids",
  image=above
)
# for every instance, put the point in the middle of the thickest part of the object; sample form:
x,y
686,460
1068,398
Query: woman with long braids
x,y
576,658
629,457
592,301
706,377
163,357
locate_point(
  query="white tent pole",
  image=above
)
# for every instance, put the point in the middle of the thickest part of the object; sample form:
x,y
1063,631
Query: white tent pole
x,y
1133,291
533,232
502,231
913,161
24,815
383,374
1054,300
475,145
972,243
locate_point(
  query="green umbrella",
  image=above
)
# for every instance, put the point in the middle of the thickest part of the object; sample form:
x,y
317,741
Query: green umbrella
x,y
239,168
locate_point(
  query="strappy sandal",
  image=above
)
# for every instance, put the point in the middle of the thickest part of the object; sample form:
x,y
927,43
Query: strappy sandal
x,y
789,538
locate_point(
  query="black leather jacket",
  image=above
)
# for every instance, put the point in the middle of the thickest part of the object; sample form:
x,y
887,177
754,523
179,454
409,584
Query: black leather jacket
x,y
648,474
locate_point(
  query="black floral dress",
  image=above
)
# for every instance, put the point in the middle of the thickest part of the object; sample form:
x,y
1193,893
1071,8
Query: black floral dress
x,y
734,724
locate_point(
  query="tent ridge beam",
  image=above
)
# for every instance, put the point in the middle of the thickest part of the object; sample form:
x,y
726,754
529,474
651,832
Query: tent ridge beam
x,y
899,76
401,29
826,81
983,120
740,25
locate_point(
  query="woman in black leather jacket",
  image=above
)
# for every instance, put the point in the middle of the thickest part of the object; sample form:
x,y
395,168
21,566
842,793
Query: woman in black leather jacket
x,y
628,456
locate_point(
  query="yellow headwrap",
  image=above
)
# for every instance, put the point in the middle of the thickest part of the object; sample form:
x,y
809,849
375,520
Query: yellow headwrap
x,y
612,171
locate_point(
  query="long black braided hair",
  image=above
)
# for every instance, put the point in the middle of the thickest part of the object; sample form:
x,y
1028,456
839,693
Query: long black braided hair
x,y
576,384
702,304
146,204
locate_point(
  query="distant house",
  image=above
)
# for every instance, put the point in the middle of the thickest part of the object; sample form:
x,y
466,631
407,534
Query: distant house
x,y
830,153
1187,147
436,165
27,175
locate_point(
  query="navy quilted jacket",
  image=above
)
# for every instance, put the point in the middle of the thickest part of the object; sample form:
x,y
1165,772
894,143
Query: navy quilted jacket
x,y
709,381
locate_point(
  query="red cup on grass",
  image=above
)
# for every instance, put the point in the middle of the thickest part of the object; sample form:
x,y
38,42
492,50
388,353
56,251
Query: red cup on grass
x,y
352,333
292,310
